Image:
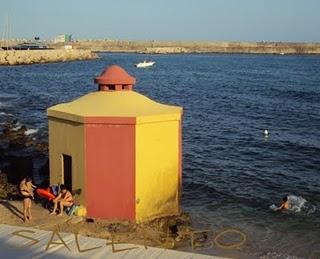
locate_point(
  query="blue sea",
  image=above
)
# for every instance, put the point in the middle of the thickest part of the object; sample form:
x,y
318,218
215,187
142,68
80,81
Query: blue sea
x,y
232,172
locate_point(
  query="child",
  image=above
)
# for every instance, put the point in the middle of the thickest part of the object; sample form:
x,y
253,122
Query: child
x,y
26,190
30,186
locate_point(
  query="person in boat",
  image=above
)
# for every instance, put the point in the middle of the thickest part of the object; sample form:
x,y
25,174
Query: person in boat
x,y
64,199
26,190
285,204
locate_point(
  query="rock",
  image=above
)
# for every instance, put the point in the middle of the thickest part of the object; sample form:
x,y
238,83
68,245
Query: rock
x,y
41,147
19,153
43,56
7,190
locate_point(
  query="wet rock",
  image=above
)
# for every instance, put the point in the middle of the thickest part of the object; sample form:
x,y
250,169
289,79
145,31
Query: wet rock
x,y
172,224
41,147
173,229
13,135
20,151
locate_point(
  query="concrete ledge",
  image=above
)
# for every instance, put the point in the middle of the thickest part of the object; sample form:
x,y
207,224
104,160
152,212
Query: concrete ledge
x,y
26,242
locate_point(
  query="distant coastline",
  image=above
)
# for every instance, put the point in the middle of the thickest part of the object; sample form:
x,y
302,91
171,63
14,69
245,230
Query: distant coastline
x,y
170,47
85,49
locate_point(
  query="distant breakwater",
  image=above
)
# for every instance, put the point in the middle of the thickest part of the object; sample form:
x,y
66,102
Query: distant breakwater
x,y
25,57
168,47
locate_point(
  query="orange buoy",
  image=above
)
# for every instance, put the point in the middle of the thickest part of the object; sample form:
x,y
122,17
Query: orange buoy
x,y
45,194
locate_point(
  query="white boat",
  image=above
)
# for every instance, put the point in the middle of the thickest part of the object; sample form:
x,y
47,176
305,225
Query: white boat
x,y
145,64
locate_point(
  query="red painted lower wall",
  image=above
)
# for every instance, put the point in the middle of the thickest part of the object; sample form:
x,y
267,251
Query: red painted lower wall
x,y
110,171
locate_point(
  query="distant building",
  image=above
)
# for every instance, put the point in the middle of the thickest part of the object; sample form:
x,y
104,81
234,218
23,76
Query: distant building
x,y
63,38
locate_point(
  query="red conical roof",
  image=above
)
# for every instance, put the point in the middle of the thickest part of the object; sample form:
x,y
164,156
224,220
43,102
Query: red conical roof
x,y
115,75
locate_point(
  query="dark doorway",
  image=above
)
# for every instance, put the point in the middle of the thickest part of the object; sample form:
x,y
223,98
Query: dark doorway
x,y
67,171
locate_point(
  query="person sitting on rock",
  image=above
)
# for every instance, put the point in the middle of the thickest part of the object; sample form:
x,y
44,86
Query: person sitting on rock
x,y
64,199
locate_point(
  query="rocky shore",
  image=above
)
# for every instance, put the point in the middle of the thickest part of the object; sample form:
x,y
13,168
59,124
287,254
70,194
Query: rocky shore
x,y
7,190
169,47
25,57
170,232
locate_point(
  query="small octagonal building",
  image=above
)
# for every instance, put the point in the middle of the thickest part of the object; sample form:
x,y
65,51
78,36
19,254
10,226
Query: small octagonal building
x,y
120,148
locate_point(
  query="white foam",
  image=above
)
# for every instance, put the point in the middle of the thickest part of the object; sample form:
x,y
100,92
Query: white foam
x,y
296,203
18,126
5,114
273,207
30,132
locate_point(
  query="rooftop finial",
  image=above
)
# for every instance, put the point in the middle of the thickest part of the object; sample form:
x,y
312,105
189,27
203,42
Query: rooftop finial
x,y
115,78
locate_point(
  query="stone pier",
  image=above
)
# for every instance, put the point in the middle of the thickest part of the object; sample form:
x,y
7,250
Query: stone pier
x,y
25,57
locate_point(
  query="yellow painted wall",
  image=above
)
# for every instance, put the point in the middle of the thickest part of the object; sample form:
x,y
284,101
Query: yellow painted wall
x,y
66,137
157,170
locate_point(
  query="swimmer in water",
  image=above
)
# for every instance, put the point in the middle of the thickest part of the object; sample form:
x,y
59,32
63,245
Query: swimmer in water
x,y
284,205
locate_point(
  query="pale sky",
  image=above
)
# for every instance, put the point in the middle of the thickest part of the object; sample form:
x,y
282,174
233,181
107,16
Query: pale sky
x,y
215,20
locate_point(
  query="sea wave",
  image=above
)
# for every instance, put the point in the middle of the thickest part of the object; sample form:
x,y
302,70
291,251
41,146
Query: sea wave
x,y
5,114
30,132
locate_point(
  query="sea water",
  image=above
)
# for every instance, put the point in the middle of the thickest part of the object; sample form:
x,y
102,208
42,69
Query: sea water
x,y
232,172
